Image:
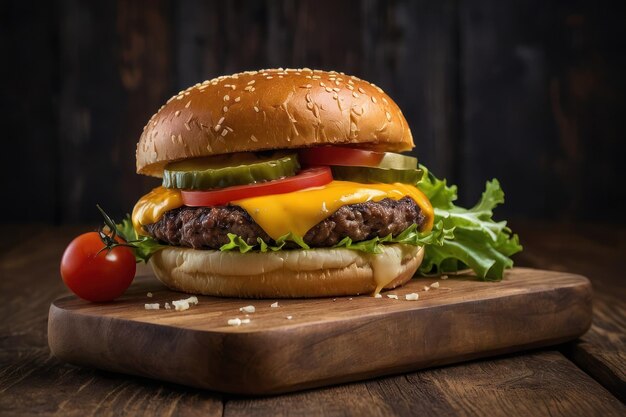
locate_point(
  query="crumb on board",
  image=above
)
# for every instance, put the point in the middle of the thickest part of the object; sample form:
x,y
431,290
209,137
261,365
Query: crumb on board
x,y
426,288
167,306
234,322
248,309
181,305
412,297
393,296
245,321
153,306
149,295
434,285
378,296
274,305
289,317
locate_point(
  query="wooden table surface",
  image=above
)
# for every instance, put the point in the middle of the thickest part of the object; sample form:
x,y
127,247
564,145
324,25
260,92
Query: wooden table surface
x,y
584,377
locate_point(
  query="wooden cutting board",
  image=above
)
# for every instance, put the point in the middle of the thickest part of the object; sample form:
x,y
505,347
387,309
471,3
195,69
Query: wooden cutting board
x,y
326,341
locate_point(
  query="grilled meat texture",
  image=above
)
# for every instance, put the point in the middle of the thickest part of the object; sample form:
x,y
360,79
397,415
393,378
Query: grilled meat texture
x,y
208,227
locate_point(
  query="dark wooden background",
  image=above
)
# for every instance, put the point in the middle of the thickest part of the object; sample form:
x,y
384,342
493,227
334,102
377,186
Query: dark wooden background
x,y
530,92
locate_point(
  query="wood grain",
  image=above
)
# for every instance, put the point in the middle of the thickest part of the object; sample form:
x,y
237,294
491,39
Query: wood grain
x,y
597,252
32,382
343,339
537,384
540,106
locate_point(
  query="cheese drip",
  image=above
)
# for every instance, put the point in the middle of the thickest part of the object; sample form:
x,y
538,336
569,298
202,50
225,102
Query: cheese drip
x,y
152,206
295,212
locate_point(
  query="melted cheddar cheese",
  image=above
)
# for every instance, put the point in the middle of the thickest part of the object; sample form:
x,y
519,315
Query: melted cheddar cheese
x,y
152,206
295,212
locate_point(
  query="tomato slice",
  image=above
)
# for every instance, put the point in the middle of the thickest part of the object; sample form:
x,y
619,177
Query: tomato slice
x,y
311,177
337,155
340,156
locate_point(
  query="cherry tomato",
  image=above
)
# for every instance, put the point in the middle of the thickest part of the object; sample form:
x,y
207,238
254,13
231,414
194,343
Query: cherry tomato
x,y
97,276
337,155
312,177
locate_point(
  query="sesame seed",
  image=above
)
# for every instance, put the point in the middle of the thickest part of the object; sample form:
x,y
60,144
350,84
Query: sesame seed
x,y
188,104
309,105
385,100
177,113
220,121
316,112
322,84
361,90
217,127
251,82
308,76
355,95
256,109
237,99
328,89
350,87
388,116
227,85
353,126
308,97
226,97
374,99
269,78
350,82
316,77
335,96
253,138
336,89
225,108
229,128
224,132
248,88
187,126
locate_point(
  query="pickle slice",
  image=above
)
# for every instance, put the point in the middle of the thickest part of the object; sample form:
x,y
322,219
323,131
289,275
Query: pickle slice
x,y
229,170
397,161
368,175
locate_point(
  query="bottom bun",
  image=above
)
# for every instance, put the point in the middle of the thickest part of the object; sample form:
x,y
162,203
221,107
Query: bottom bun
x,y
286,274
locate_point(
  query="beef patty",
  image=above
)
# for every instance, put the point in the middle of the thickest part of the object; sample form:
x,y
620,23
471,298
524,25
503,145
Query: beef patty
x,y
207,227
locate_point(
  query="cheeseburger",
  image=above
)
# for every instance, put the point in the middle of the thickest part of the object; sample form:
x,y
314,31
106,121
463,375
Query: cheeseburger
x,y
275,181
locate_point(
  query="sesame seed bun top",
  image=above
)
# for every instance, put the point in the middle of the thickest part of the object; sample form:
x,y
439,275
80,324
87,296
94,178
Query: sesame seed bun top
x,y
271,109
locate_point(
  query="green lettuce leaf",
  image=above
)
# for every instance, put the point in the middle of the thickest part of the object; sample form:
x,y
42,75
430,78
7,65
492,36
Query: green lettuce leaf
x,y
479,242
143,246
